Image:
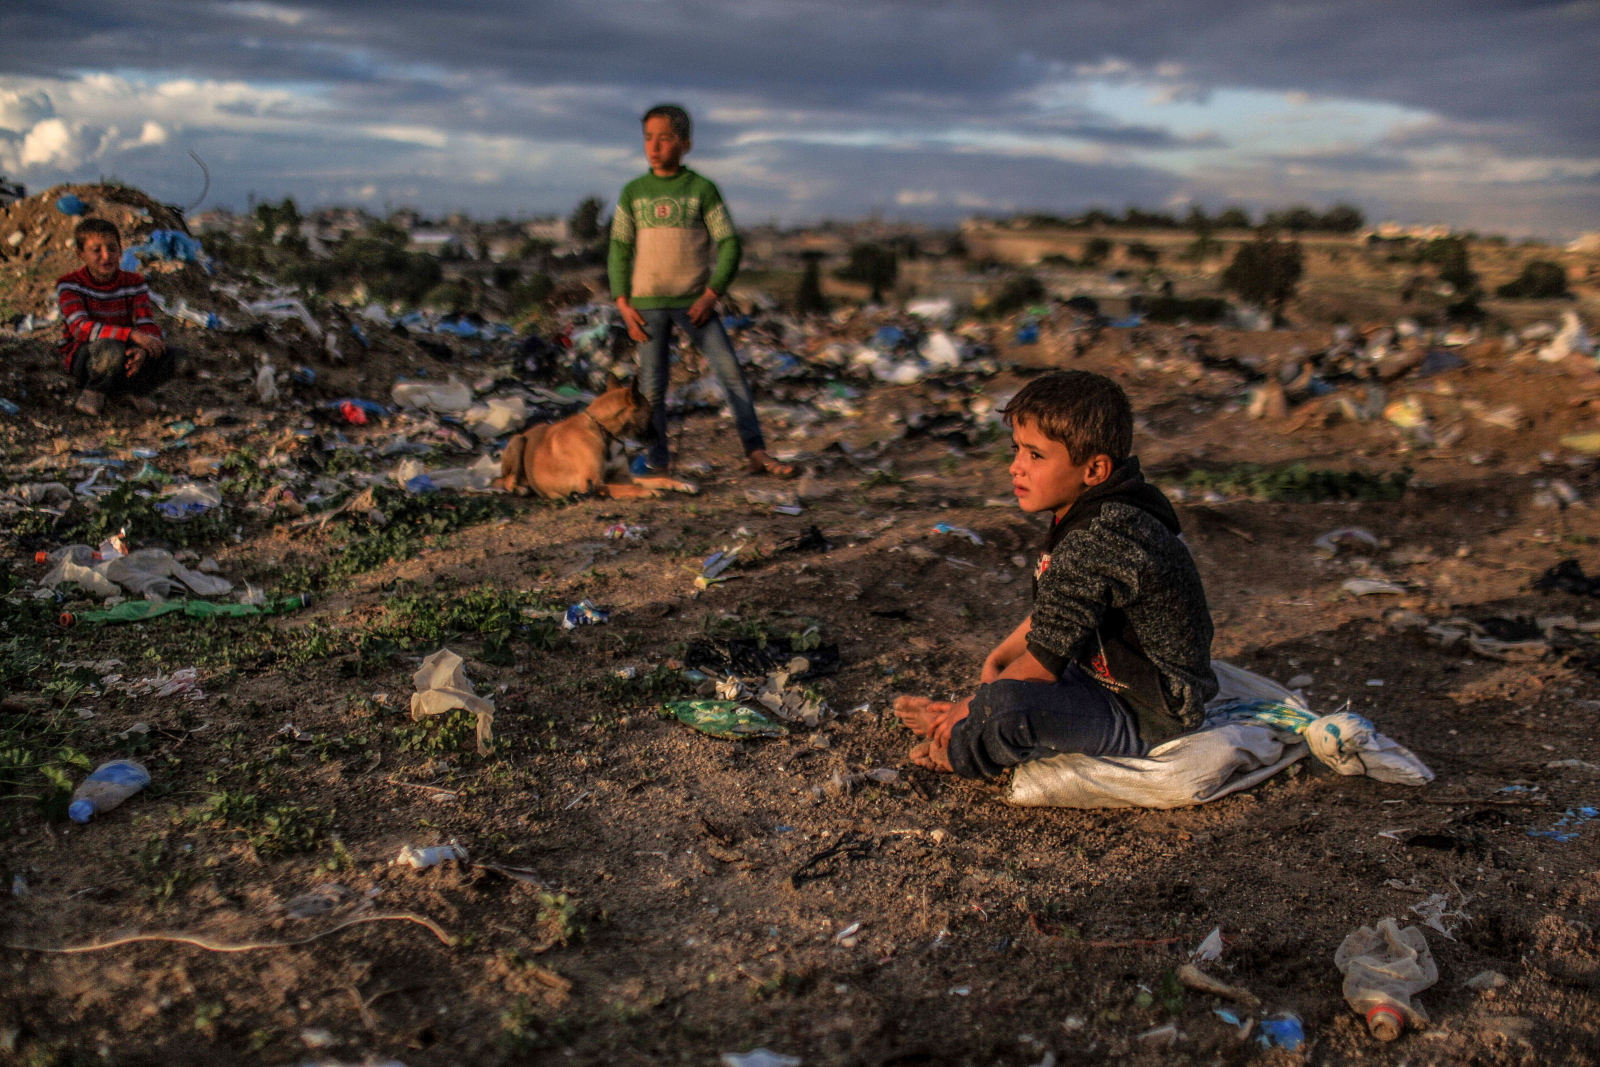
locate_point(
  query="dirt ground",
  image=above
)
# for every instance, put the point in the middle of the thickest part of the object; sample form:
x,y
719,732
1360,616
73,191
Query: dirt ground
x,y
694,890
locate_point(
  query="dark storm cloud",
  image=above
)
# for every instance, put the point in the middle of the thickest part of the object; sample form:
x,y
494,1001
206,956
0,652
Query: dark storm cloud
x,y
1498,76
1525,63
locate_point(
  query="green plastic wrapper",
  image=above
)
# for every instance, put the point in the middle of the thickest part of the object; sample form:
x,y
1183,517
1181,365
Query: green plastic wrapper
x,y
140,610
727,719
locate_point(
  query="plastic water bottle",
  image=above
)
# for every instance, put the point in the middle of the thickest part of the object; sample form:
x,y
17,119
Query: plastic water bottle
x,y
109,785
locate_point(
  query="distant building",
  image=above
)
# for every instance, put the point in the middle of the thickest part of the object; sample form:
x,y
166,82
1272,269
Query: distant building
x,y
1395,231
437,243
10,191
547,229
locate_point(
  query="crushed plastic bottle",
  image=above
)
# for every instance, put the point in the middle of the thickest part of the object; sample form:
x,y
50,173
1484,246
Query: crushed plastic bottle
x,y
1383,969
109,785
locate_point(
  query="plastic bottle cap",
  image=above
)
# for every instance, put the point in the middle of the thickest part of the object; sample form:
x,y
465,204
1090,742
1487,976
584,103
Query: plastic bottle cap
x,y
1385,1023
41,556
81,810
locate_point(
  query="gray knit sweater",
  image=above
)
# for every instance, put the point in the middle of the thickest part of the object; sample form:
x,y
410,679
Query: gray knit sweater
x,y
1117,592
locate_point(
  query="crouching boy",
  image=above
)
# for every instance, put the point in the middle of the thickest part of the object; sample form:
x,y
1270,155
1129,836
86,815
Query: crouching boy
x,y
1116,656
112,345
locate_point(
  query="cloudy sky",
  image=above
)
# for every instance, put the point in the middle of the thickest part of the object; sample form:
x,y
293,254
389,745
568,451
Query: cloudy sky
x,y
1479,113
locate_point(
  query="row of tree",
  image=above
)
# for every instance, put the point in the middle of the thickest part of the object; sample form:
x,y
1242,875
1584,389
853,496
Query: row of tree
x,y
1340,218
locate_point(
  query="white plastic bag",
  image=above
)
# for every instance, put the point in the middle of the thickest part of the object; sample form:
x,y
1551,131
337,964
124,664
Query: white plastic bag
x,y
451,396
498,416
442,686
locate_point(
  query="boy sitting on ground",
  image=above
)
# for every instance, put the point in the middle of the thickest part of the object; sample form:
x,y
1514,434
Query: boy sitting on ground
x,y
112,345
1116,656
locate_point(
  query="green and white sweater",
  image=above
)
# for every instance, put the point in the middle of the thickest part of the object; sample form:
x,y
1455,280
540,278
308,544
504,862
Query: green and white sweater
x,y
661,238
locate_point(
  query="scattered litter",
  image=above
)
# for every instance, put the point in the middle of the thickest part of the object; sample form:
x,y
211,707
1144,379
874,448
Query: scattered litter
x,y
109,785
184,682
1282,1031
583,613
1328,545
432,856
1192,977
959,531
623,532
724,718
318,901
189,501
1210,949
1566,828
1571,765
1487,981
453,396
1436,913
294,733
1383,969
1166,1035
847,936
1371,586
442,686
759,1057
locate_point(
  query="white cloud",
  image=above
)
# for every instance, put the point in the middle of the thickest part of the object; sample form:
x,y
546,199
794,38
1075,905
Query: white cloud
x,y
916,197
287,16
20,109
61,144
153,133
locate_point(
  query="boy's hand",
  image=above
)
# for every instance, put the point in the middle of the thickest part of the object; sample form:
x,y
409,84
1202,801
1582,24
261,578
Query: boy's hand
x,y
700,311
632,320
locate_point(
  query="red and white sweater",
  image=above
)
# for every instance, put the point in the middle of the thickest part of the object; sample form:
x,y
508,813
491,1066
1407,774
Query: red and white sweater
x,y
102,311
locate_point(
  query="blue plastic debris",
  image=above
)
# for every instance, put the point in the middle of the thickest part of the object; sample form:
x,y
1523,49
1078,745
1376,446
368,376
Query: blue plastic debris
x,y
584,613
8,407
421,484
1284,1031
959,531
888,337
1227,1016
1574,818
304,375
360,335
1027,332
166,244
71,205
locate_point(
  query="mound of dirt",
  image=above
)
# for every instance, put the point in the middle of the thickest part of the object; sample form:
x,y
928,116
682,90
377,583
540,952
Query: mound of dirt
x,y
36,239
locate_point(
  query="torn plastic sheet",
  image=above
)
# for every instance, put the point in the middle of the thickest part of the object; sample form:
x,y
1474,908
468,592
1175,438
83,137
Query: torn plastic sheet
x,y
726,719
442,686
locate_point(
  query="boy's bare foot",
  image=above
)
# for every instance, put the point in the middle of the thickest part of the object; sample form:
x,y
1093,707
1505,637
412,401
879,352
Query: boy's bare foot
x,y
920,715
761,463
89,402
934,755
144,405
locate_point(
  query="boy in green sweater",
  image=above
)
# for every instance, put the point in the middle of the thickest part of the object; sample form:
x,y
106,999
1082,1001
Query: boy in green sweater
x,y
664,271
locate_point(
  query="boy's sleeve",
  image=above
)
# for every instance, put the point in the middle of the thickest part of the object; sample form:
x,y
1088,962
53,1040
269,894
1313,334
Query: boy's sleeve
x,y
144,317
619,264
720,225
1085,579
80,325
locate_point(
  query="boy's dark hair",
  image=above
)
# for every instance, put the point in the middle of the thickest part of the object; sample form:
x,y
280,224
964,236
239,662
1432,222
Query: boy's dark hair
x,y
682,125
90,226
1089,413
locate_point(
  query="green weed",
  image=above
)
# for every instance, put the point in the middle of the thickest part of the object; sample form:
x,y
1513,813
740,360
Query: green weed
x,y
437,735
1297,483
270,829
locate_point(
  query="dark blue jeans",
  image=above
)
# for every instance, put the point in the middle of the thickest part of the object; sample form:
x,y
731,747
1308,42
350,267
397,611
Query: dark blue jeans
x,y
1012,722
712,341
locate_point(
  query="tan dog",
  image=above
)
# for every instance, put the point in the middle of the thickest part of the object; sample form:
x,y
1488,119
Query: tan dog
x,y
567,457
